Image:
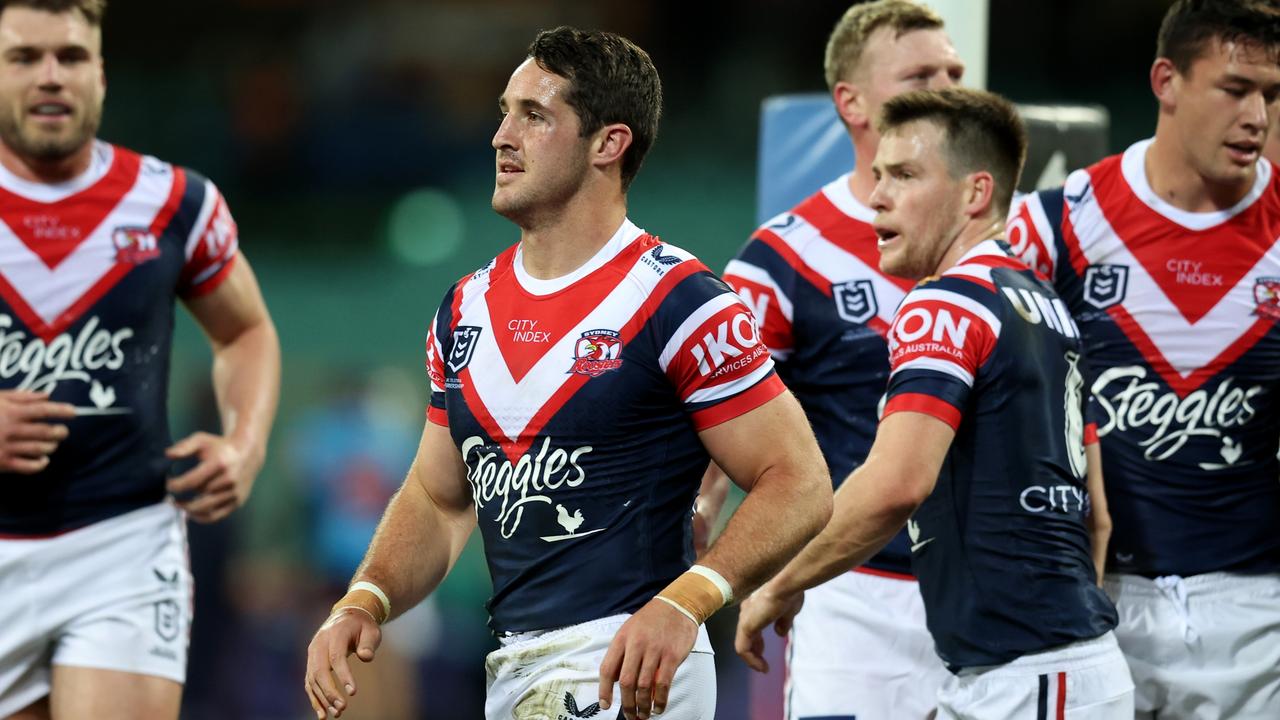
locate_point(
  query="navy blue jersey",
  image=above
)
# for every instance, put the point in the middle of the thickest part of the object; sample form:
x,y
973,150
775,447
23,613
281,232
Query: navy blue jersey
x,y
812,278
1000,545
88,275
576,405
1178,314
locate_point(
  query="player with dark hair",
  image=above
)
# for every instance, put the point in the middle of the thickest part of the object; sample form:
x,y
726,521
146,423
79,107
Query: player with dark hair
x,y
580,383
1168,256
980,451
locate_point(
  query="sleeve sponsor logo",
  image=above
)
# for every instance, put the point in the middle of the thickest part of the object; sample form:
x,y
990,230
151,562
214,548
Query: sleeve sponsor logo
x,y
728,342
756,299
944,332
596,353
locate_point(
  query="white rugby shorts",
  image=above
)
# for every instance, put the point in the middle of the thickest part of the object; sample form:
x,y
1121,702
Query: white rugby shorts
x,y
114,595
1086,680
1203,647
860,649
555,674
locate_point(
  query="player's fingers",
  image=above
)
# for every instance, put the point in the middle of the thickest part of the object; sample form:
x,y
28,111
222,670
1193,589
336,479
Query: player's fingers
x,y
749,647
610,668
650,659
662,684
45,410
38,430
213,510
627,679
343,672
195,478
24,396
311,698
324,680
31,448
24,465
370,638
187,445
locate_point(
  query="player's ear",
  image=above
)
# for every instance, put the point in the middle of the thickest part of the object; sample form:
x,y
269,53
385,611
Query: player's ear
x,y
609,144
1164,82
980,191
851,105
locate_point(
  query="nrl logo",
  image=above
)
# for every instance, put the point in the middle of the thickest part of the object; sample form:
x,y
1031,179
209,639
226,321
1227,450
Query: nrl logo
x,y
855,300
1105,285
462,347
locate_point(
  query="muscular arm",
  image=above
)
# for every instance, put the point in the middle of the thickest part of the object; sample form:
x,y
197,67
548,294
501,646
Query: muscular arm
x,y
246,383
425,527
770,453
418,540
870,508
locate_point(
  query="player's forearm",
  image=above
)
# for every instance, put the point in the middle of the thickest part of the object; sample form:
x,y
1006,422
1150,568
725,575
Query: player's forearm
x,y
416,544
246,382
1099,519
862,523
784,509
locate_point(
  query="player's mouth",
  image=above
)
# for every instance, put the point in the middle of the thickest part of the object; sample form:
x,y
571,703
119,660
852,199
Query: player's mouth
x,y
886,235
509,169
1244,152
50,110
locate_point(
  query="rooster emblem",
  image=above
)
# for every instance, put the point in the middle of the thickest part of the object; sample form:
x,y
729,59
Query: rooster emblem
x,y
571,704
571,523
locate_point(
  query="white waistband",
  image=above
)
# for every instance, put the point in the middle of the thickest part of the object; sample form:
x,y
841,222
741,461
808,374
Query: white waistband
x,y
1076,655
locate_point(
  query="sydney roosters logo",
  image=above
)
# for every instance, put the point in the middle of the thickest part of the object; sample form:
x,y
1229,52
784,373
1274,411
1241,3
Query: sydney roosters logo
x,y
134,245
596,353
1266,292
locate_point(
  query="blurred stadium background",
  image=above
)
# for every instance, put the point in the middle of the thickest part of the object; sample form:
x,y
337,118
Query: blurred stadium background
x,y
351,140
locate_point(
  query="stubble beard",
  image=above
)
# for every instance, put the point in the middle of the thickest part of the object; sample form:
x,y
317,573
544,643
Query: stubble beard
x,y
46,147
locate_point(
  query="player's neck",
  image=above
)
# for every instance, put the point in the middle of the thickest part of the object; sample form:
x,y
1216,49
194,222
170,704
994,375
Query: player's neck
x,y
863,182
974,232
567,239
39,170
1179,184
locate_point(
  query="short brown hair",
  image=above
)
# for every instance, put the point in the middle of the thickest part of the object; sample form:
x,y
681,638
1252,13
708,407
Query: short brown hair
x,y
611,80
983,132
1191,24
849,38
92,10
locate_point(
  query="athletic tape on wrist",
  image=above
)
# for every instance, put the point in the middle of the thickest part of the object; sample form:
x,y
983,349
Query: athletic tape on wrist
x,y
695,594
726,590
679,609
377,591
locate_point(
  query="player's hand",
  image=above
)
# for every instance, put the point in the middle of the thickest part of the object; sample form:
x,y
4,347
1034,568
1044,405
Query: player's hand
x,y
346,631
762,609
27,435
643,657
221,480
702,526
